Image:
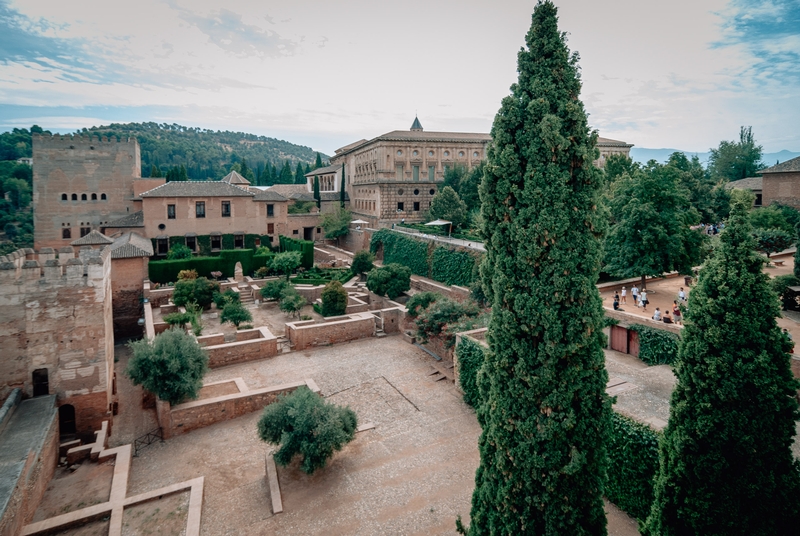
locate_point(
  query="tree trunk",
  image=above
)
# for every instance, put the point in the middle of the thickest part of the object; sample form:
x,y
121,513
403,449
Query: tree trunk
x,y
644,283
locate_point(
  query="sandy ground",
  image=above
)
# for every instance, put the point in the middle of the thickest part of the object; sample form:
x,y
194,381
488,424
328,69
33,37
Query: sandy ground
x,y
413,474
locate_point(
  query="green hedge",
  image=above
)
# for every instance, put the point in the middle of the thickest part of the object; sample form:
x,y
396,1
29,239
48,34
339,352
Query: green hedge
x,y
470,358
305,247
447,264
656,346
454,266
167,271
632,465
633,462
343,276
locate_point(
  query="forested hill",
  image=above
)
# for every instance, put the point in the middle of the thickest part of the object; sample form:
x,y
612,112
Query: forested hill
x,y
204,154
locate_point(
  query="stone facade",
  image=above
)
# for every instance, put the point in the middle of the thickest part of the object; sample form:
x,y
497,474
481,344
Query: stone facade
x,y
56,331
80,183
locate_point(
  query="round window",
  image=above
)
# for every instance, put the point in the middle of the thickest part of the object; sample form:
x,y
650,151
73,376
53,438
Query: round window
x,y
475,154
399,153
430,153
416,192
432,191
161,226
461,154
447,153
400,191
416,153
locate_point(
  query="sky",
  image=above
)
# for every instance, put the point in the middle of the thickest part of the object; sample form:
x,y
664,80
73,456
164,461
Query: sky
x,y
682,74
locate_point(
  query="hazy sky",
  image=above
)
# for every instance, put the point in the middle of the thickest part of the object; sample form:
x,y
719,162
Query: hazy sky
x,y
680,74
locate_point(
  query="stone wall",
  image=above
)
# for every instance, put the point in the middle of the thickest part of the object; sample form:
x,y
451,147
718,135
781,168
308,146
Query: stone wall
x,y
127,276
356,240
250,344
783,188
423,284
56,314
81,166
333,330
196,414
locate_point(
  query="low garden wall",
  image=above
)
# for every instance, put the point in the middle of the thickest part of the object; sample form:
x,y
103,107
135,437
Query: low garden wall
x,y
250,344
335,329
454,292
183,418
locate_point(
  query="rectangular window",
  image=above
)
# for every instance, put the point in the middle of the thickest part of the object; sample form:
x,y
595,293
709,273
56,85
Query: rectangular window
x,y
85,231
416,206
400,207
399,172
270,228
226,209
270,211
66,233
238,241
191,243
431,173
163,246
216,242
415,172
319,230
200,209
758,200
170,212
295,232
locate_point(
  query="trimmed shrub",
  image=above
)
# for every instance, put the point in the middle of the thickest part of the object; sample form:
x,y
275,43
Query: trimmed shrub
x,y
178,319
632,465
454,266
302,423
656,346
433,320
304,247
334,299
200,291
178,252
470,356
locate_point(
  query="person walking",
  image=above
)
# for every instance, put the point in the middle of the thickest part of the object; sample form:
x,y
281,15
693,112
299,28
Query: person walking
x,y
624,295
682,295
643,299
676,312
635,294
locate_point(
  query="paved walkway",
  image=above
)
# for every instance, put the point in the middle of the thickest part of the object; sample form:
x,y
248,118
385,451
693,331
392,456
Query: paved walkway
x,y
472,244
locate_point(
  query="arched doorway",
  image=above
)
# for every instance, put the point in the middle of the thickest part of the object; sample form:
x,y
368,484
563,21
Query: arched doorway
x,y
41,382
66,419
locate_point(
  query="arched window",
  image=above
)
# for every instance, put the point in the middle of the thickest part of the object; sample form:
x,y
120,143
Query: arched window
x,y
74,197
102,197
63,197
94,197
83,197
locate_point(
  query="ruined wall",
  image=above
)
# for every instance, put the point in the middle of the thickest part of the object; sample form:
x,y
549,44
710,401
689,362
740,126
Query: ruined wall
x,y
356,240
102,171
56,314
127,276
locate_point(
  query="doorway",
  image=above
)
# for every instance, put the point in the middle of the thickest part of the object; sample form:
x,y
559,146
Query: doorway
x,y
66,419
308,233
41,383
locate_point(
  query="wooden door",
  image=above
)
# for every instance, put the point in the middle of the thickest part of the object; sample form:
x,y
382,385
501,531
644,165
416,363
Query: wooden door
x,y
633,343
619,339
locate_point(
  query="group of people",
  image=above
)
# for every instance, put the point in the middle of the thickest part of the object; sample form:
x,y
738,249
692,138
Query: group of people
x,y
640,300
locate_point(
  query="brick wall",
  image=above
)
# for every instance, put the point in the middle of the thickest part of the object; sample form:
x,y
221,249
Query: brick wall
x,y
127,276
338,329
783,188
247,348
454,292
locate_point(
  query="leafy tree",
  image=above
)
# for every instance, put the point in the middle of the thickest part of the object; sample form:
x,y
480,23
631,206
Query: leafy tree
x,y
334,299
178,319
303,423
617,164
299,174
545,413
301,207
420,301
11,231
171,365
390,280
316,190
336,224
272,290
446,205
179,251
453,176
19,192
770,218
726,460
732,161
235,313
221,299
772,240
651,233
287,262
292,303
698,185
246,172
200,291
442,311
362,262
468,192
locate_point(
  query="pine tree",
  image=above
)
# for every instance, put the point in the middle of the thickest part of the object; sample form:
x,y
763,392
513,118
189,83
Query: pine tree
x,y
544,410
299,176
286,176
726,461
155,172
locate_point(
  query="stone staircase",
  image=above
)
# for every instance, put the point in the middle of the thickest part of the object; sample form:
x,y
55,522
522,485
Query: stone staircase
x,y
246,296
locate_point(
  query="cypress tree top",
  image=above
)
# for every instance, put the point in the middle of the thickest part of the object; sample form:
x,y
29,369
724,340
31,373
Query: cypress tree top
x,y
544,410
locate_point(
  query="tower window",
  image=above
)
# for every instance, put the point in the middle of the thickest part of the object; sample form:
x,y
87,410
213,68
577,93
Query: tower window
x,y
102,197
94,197
66,233
83,197
64,197
74,197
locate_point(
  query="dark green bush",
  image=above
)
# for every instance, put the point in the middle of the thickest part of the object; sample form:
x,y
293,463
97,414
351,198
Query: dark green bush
x,y
221,299
632,465
235,313
470,356
780,285
272,289
656,346
200,291
304,247
389,280
362,262
303,423
433,320
419,302
178,252
334,299
178,319
401,249
454,266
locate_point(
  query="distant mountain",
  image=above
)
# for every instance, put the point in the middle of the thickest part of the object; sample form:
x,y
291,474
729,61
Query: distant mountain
x,y
642,155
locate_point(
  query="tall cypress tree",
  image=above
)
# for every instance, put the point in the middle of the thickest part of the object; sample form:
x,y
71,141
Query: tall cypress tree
x,y
299,175
544,410
318,162
726,461
316,191
342,190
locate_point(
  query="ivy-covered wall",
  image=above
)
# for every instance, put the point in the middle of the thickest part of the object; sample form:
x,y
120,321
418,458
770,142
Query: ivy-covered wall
x,y
227,241
656,346
450,265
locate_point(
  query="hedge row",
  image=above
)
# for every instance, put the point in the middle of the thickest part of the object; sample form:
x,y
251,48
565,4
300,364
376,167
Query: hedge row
x,y
632,465
343,276
225,262
227,242
633,462
656,346
305,247
446,264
